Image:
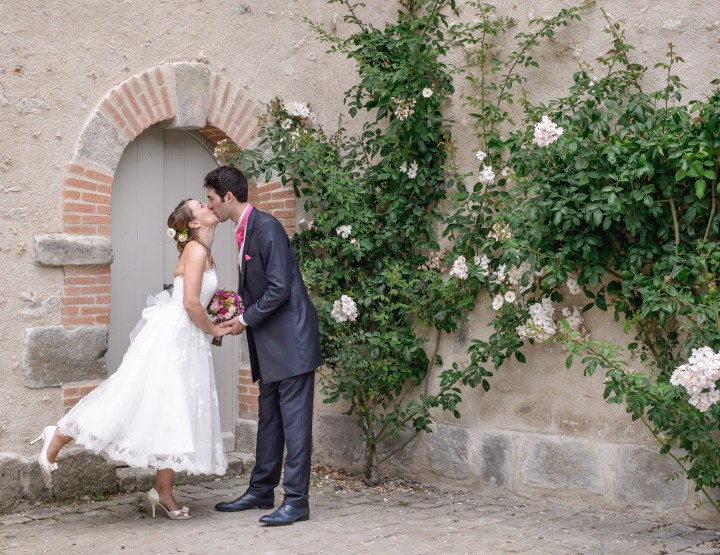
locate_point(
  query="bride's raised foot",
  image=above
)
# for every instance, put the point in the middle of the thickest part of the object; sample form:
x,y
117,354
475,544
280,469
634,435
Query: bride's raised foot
x,y
47,436
154,498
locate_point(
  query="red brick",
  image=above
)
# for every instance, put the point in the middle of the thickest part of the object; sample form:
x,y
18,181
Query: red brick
x,y
80,280
130,96
96,219
71,194
76,169
91,270
99,176
71,206
95,289
119,119
72,218
142,97
117,98
225,93
159,76
97,309
150,87
76,301
80,229
79,321
80,184
167,105
134,123
96,198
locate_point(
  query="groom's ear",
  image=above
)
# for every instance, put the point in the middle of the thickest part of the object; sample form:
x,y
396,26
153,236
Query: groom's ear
x,y
229,198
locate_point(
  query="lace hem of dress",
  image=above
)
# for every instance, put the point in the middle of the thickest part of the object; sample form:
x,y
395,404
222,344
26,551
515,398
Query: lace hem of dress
x,y
177,463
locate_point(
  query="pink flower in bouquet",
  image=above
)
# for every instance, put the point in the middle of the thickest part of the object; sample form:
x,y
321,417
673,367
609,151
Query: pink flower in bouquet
x,y
224,305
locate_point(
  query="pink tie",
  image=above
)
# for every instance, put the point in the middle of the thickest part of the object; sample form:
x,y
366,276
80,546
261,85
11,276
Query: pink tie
x,y
240,235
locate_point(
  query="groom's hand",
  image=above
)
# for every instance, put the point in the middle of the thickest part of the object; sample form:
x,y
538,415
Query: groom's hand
x,y
236,328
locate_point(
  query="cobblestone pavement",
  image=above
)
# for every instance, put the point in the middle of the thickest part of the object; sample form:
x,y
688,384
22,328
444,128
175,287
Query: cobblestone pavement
x,y
399,517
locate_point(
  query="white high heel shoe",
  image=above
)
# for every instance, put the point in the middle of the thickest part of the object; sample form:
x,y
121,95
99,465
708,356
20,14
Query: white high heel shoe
x,y
154,499
47,435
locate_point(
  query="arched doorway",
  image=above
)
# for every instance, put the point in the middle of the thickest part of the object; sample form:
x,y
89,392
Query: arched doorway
x,y
157,170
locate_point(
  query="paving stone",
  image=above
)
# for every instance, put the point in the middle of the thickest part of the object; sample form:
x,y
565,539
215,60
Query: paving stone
x,y
364,522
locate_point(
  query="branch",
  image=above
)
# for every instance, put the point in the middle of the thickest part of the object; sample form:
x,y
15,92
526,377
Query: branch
x,y
676,226
712,210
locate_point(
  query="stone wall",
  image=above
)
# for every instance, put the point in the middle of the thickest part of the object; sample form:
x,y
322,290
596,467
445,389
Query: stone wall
x,y
79,80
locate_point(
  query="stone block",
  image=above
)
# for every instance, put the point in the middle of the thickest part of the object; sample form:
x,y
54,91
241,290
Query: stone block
x,y
63,249
11,490
642,474
144,479
245,435
101,143
134,479
54,355
243,353
496,459
239,464
80,473
337,436
562,463
447,449
405,448
192,84
126,480
34,483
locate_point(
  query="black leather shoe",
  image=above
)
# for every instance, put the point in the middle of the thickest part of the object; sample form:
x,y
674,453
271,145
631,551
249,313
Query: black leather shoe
x,y
245,502
285,514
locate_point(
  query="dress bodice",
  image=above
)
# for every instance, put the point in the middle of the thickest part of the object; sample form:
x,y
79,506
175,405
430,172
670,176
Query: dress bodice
x,y
209,286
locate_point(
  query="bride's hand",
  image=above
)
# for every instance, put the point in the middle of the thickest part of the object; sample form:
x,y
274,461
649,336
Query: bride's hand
x,y
234,325
220,331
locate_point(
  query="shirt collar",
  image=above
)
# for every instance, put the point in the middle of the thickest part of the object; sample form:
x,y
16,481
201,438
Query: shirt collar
x,y
248,207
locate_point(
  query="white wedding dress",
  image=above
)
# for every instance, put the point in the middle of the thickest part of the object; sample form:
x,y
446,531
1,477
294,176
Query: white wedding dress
x,y
160,409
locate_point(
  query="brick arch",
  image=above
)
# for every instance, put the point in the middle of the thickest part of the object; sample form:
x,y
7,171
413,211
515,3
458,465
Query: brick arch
x,y
179,95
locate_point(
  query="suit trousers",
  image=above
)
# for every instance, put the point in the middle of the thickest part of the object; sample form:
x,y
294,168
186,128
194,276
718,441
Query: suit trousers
x,y
285,410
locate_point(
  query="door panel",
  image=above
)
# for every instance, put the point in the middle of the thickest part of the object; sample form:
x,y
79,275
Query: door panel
x,y
158,170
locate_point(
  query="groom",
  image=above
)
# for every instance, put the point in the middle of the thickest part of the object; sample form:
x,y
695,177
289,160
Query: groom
x,y
284,345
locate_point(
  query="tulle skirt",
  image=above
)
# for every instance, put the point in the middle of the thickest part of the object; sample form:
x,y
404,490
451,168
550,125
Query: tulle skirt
x,y
160,409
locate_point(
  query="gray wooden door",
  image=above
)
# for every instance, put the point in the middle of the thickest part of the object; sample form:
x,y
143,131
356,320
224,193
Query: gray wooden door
x,y
158,170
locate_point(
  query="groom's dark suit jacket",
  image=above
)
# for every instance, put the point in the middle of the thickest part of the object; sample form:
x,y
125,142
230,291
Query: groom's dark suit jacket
x,y
282,330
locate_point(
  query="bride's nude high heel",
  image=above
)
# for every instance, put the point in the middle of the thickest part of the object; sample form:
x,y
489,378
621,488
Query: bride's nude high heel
x,y
154,499
47,436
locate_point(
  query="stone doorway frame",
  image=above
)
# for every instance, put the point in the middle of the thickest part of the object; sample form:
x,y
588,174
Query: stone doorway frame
x,y
182,96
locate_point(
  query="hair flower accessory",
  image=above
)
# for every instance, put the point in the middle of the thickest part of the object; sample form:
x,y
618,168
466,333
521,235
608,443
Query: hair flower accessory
x,y
171,233
183,236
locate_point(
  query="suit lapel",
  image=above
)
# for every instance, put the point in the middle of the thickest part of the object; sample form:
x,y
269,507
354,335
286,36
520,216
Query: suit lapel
x,y
248,237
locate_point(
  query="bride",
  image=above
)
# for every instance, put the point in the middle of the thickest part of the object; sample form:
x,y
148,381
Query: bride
x,y
160,409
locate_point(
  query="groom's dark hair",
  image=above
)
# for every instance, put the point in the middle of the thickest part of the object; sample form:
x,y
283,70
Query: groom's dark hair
x,y
228,178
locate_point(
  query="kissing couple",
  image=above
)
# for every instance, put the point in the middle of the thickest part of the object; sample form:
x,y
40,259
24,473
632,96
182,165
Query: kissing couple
x,y
160,408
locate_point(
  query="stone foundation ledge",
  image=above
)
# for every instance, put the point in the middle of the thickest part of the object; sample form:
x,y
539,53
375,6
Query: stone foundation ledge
x,y
81,473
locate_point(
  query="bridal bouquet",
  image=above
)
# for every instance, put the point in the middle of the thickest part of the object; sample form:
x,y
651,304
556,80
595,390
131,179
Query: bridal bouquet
x,y
224,305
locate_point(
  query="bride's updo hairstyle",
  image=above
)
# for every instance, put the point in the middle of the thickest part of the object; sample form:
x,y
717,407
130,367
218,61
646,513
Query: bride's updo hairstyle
x,y
179,222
